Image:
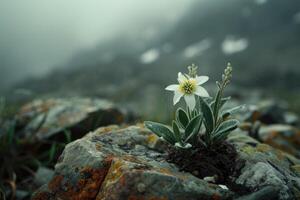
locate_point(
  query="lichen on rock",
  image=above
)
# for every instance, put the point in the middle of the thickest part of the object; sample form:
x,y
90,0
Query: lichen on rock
x,y
123,163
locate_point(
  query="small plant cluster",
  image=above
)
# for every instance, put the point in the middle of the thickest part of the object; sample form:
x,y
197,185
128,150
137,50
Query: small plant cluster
x,y
203,121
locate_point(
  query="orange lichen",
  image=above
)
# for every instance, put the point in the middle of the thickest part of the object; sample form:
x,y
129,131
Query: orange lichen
x,y
216,197
42,196
115,171
131,158
106,130
292,140
98,146
38,106
165,171
263,148
255,116
151,139
86,187
280,155
55,183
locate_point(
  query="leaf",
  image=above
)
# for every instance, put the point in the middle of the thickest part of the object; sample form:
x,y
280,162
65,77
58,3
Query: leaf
x,y
183,146
176,131
209,121
194,113
11,133
68,136
222,102
193,127
182,117
228,112
224,129
161,131
52,152
217,104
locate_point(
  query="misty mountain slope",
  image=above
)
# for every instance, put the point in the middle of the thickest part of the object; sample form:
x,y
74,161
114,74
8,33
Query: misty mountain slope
x,y
270,30
262,45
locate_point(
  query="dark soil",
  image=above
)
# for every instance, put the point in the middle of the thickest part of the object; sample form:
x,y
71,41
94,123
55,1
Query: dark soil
x,y
219,161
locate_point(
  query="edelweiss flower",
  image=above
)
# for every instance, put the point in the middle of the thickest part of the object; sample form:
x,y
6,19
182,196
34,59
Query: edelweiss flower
x,y
188,87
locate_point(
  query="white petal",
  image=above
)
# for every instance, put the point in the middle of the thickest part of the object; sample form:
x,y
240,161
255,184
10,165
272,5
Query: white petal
x,y
177,97
181,77
172,87
201,79
200,91
190,101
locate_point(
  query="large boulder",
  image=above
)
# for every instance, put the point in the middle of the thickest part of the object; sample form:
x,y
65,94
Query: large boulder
x,y
114,163
44,119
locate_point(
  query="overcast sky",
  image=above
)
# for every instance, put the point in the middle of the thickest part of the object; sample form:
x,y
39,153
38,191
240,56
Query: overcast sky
x,y
37,35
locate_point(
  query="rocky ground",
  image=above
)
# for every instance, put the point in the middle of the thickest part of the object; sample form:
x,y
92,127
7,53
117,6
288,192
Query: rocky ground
x,y
129,162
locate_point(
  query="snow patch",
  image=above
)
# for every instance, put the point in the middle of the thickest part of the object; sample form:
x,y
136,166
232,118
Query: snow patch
x,y
197,49
297,18
150,56
233,45
260,2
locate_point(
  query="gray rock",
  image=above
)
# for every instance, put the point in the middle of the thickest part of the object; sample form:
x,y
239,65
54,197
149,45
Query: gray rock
x,y
267,192
96,167
46,118
43,176
271,112
102,166
265,166
284,137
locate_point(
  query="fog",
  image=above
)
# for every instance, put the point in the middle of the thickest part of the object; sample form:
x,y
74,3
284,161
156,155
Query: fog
x,y
38,36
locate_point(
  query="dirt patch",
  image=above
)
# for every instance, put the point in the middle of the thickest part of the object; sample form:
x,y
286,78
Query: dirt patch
x,y
218,161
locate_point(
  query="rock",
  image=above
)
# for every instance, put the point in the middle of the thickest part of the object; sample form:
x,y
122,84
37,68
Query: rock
x,y
44,119
265,166
267,192
284,137
97,167
102,166
271,112
43,176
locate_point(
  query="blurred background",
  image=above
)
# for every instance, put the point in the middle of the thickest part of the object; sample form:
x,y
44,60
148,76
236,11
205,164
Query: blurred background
x,y
128,51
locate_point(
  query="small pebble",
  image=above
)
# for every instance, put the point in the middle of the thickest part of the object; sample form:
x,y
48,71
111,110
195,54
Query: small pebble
x,y
210,179
223,187
141,187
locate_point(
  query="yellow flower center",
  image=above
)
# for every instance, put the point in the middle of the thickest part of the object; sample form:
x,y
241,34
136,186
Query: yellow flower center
x,y
188,86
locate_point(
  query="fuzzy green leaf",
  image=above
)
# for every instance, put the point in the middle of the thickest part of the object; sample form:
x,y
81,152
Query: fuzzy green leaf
x,y
224,129
228,112
52,152
222,102
176,131
182,117
216,105
209,121
183,146
194,113
161,131
194,123
193,128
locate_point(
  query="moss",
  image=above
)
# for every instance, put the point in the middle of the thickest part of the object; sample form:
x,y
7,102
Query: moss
x,y
263,148
296,169
248,150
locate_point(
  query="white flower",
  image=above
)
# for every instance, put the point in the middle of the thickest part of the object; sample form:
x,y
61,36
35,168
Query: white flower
x,y
188,87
